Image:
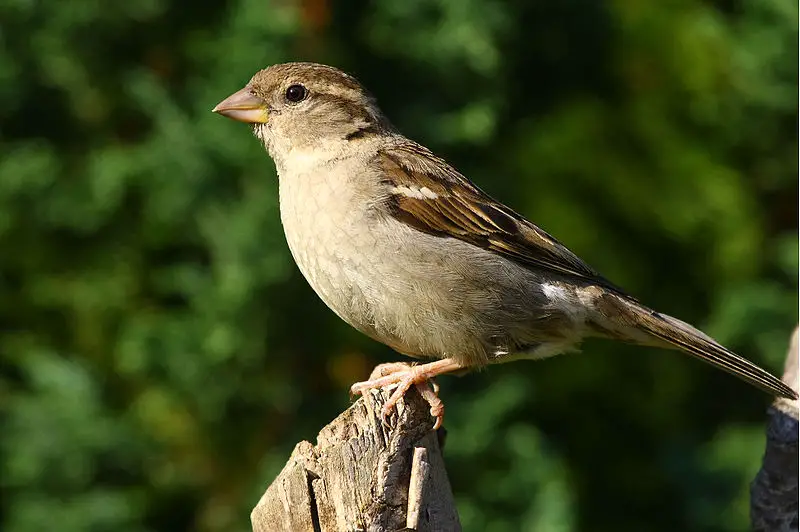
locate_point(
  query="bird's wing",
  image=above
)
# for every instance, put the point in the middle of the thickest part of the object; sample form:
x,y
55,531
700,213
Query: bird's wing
x,y
431,196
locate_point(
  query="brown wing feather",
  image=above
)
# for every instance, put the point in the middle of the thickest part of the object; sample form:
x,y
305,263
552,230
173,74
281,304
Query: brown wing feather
x,y
461,210
696,343
451,206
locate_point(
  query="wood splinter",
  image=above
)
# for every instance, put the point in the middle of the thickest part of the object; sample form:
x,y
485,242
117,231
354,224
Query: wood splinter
x,y
416,486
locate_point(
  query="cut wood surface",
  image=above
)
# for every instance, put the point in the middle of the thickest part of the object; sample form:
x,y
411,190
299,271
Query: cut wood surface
x,y
364,475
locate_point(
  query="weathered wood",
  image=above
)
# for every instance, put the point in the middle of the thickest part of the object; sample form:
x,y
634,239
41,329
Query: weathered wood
x,y
774,492
364,475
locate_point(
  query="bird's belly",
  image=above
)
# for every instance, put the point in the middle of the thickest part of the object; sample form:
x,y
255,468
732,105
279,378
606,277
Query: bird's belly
x,y
422,295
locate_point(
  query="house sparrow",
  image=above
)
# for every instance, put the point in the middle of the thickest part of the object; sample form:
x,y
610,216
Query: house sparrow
x,y
407,250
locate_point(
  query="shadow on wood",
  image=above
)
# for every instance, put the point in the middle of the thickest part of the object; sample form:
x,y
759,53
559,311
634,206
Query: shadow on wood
x,y
364,476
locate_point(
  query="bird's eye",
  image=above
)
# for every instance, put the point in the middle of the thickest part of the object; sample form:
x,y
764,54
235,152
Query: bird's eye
x,y
296,93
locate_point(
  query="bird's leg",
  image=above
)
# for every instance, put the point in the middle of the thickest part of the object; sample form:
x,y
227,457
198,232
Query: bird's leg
x,y
427,389
404,375
387,368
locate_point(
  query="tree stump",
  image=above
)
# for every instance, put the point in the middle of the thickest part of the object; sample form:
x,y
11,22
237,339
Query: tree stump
x,y
364,475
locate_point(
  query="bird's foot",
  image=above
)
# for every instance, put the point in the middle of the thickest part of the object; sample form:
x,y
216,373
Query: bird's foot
x,y
402,375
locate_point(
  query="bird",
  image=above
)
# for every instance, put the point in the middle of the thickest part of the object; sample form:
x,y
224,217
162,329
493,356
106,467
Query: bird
x,y
404,248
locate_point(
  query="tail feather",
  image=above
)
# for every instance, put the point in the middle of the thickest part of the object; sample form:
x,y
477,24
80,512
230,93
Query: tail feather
x,y
685,337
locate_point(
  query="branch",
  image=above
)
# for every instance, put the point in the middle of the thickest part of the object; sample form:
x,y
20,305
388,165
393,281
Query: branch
x,y
774,492
364,476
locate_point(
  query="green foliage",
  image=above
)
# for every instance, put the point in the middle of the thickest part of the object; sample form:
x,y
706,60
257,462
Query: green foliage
x,y
160,354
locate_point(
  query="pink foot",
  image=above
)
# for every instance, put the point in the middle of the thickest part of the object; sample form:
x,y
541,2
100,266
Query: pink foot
x,y
403,375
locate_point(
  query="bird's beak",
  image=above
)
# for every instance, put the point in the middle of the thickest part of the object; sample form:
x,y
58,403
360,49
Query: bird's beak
x,y
243,106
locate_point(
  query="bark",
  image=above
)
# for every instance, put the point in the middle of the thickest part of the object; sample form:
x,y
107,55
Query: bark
x,y
364,475
774,492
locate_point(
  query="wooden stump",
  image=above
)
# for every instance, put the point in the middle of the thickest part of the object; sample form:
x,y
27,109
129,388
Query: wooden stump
x,y
364,475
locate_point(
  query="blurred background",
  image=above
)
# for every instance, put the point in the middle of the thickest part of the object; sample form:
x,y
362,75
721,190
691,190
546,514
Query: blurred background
x,y
160,354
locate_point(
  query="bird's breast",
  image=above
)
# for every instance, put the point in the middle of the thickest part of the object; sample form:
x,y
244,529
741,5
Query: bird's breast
x,y
327,228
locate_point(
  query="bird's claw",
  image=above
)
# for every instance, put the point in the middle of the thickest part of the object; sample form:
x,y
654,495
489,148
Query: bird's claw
x,y
401,376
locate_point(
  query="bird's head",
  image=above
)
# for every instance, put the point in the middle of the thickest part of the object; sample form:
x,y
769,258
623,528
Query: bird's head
x,y
304,107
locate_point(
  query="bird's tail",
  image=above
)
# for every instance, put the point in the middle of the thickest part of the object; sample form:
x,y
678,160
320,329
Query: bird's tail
x,y
678,334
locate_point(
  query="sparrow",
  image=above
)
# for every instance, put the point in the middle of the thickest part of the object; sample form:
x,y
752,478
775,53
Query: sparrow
x,y
410,252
